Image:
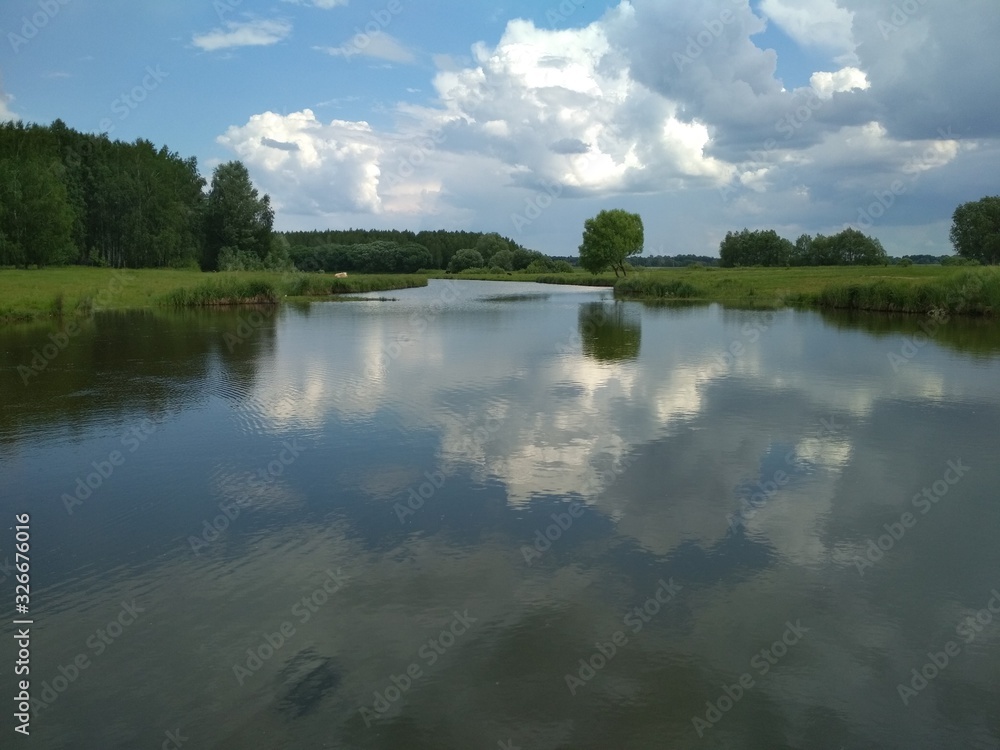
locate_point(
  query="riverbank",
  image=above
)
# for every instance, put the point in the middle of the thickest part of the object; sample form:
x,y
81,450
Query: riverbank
x,y
899,289
55,292
913,289
27,296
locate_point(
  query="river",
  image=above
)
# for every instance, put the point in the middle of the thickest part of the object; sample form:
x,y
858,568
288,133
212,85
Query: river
x,y
504,515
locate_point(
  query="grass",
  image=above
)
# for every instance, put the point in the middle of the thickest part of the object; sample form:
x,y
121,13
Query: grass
x,y
53,292
913,289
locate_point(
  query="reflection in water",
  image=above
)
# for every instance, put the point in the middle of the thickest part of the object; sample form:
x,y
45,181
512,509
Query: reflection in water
x,y
610,332
978,336
549,485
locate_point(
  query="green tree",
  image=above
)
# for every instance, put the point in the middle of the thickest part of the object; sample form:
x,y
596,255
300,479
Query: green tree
x,y
975,230
802,253
36,218
490,244
236,216
757,248
463,259
503,259
848,248
609,239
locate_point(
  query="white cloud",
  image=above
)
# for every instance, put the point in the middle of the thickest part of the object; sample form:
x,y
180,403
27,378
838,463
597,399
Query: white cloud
x,y
308,166
606,111
814,23
379,45
846,79
6,113
256,33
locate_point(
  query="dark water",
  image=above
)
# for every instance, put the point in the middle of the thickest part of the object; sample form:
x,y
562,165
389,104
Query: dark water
x,y
503,515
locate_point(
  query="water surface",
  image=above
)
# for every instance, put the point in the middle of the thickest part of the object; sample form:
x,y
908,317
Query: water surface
x,y
506,515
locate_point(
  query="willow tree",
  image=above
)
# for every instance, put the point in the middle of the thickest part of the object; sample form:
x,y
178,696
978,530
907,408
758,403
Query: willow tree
x,y
609,239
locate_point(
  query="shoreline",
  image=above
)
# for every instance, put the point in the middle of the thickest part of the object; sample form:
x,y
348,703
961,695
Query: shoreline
x,y
32,296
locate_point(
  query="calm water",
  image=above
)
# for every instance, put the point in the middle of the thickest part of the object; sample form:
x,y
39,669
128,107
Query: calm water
x,y
505,516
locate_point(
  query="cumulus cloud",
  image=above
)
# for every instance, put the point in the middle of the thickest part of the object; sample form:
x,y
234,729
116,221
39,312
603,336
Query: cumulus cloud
x,y
814,23
308,166
253,33
657,99
826,84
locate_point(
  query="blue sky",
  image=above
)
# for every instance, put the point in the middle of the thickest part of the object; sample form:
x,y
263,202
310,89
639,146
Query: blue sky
x,y
526,118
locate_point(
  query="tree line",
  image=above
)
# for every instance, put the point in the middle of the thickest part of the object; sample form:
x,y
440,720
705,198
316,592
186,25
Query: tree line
x,y
72,197
391,251
441,244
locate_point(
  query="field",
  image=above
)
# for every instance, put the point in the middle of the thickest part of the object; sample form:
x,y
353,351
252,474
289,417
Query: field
x,y
908,289
51,292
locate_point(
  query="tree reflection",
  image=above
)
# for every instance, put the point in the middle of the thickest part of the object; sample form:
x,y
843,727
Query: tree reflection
x,y
608,332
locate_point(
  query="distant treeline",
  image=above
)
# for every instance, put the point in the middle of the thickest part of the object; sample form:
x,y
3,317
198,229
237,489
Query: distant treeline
x,y
441,244
653,261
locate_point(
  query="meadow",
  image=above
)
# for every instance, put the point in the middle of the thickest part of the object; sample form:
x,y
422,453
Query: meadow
x,y
27,295
902,289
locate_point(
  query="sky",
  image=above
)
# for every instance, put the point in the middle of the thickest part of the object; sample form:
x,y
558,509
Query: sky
x,y
703,116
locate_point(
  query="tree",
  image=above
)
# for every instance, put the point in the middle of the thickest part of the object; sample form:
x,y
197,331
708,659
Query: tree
x,y
848,248
490,244
756,248
503,259
609,239
236,217
975,230
36,218
463,259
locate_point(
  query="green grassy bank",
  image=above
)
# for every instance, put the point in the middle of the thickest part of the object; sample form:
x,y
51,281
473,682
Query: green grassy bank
x,y
903,289
914,289
53,292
